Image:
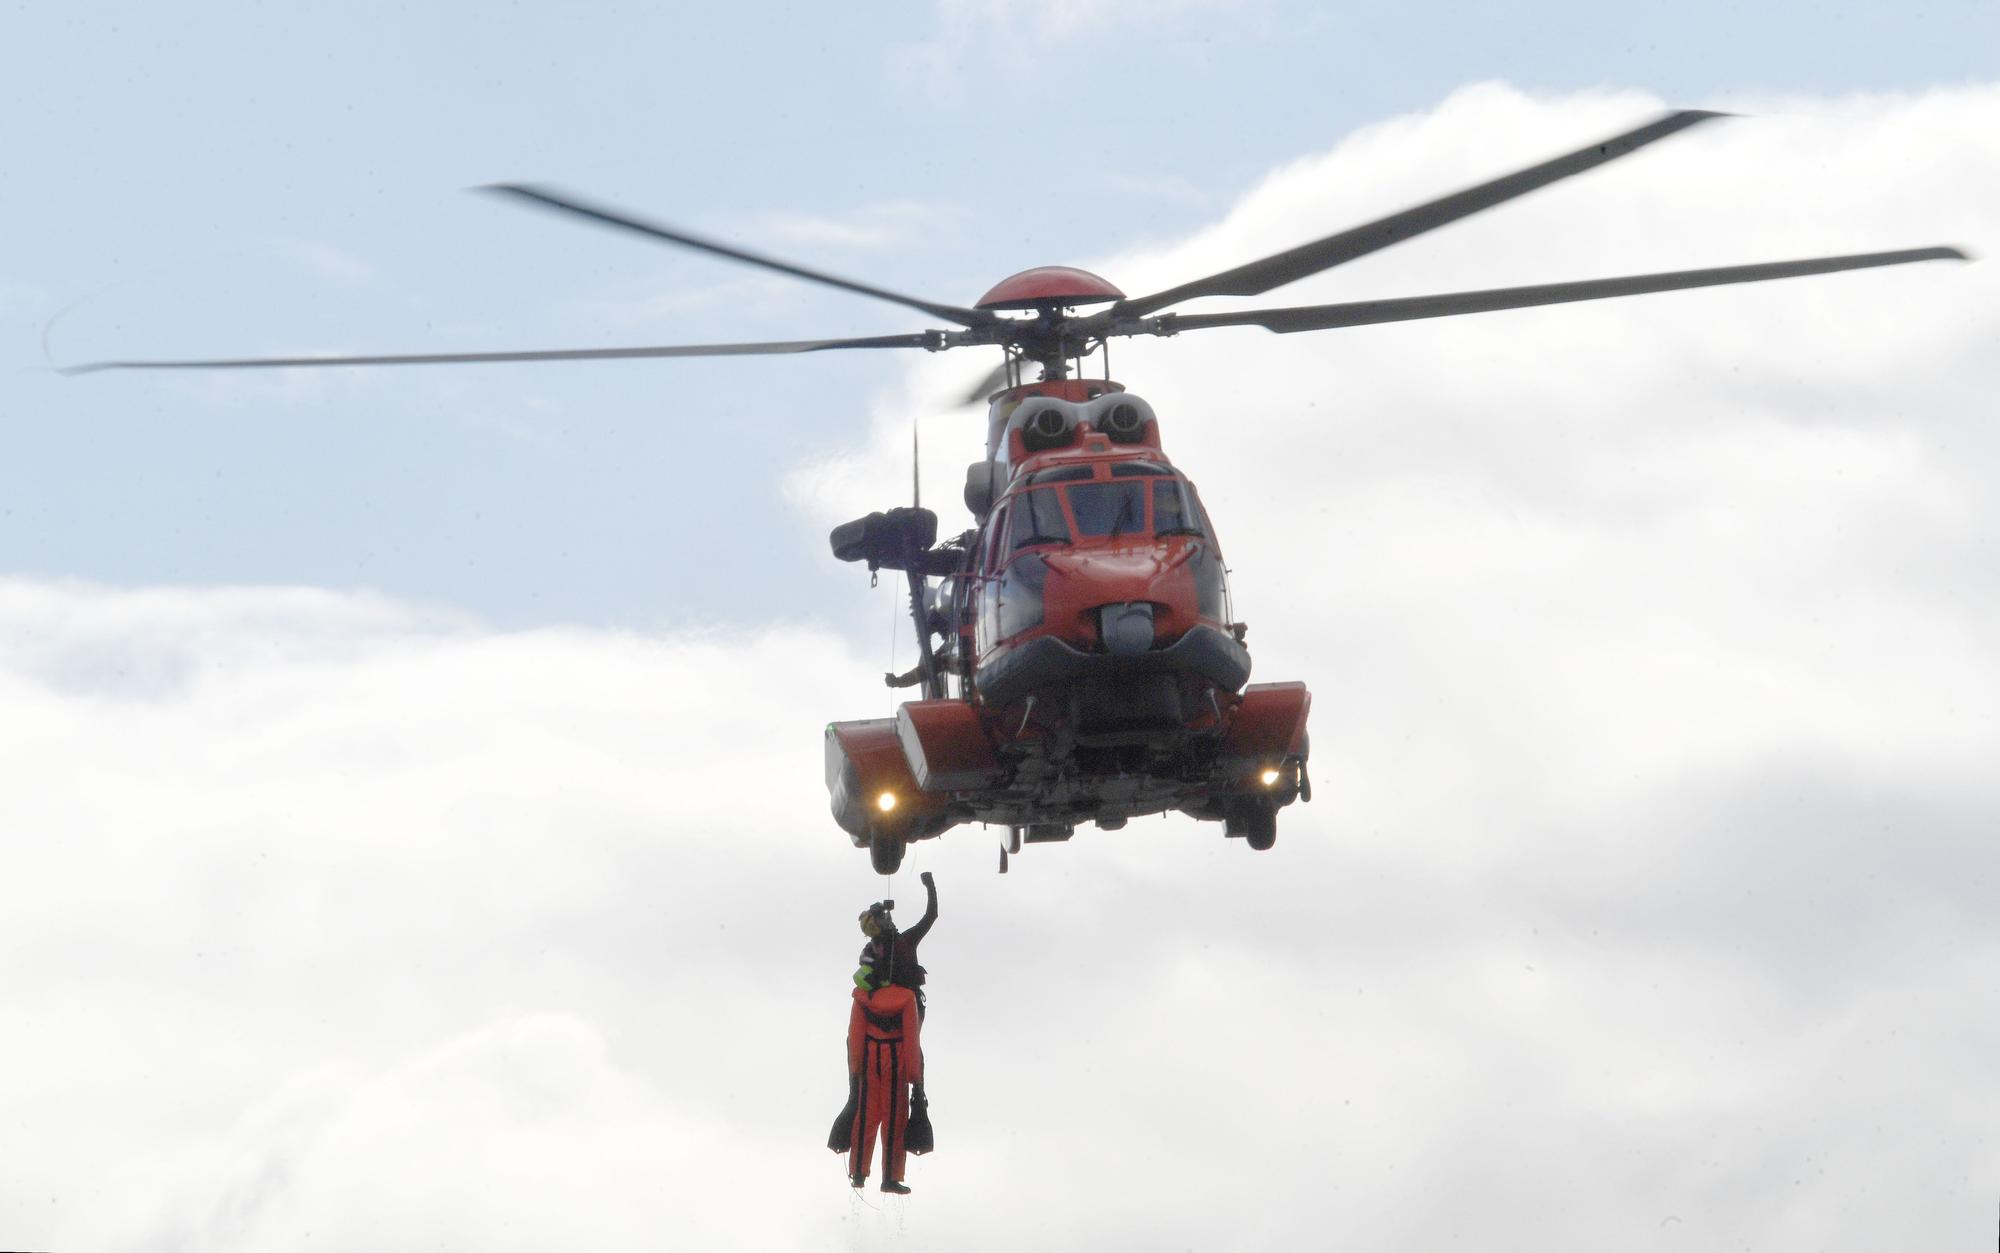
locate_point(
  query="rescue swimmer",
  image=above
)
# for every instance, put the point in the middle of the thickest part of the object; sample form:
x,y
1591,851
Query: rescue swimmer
x,y
885,1058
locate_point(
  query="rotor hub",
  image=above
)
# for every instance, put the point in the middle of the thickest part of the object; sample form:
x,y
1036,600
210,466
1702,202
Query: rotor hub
x,y
1049,286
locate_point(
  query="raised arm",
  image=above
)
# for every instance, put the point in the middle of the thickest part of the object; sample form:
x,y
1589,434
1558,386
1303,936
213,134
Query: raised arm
x,y
915,935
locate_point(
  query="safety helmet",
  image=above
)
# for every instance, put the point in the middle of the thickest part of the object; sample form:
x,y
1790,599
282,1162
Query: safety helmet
x,y
875,919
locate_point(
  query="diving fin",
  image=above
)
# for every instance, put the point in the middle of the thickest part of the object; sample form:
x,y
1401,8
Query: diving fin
x,y
917,1137
841,1138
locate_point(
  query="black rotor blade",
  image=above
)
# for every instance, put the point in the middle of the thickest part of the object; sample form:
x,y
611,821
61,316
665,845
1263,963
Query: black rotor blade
x,y
919,339
1276,270
550,199
989,382
1451,304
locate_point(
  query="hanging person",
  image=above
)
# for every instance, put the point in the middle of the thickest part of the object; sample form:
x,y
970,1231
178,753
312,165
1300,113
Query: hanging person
x,y
888,961
885,1057
890,956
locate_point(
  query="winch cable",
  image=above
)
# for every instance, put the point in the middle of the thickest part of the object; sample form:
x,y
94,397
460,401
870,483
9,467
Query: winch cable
x,y
895,613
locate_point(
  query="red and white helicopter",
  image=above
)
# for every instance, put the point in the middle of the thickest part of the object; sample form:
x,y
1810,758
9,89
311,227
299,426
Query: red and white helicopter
x,y
1079,658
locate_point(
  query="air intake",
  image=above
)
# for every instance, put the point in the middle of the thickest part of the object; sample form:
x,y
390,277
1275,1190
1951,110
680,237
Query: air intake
x,y
1046,428
1123,423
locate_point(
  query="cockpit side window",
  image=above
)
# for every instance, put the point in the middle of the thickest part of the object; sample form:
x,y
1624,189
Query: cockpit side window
x,y
996,536
1200,511
1173,511
1036,517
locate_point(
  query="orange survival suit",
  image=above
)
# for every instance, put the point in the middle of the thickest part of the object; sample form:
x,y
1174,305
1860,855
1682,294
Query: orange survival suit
x,y
884,1057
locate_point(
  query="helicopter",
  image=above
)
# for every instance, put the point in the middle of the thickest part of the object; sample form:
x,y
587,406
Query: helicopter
x,y
1079,658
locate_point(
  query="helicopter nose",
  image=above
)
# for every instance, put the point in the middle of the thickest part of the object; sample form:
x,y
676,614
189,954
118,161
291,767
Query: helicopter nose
x,y
1127,630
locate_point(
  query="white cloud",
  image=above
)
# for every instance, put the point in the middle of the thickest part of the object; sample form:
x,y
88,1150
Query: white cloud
x,y
1648,877
519,1135
874,226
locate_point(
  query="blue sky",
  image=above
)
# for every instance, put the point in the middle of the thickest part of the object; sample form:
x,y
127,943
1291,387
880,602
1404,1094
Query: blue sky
x,y
242,179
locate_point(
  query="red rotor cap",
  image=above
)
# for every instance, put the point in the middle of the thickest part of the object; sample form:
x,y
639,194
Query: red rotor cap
x,y
1049,285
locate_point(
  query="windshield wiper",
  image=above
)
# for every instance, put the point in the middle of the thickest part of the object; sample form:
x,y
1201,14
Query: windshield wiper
x,y
1124,510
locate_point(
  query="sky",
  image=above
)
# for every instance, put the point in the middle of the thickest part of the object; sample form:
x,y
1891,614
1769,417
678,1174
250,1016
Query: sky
x,y
412,789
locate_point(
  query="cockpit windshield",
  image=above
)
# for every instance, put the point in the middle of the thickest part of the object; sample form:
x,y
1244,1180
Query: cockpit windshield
x,y
1105,508
1114,508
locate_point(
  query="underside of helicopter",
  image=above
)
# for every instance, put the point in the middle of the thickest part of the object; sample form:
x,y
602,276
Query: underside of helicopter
x,y
1117,750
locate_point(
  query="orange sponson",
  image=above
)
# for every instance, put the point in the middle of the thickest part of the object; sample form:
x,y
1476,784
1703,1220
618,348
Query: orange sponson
x,y
864,763
945,746
1267,726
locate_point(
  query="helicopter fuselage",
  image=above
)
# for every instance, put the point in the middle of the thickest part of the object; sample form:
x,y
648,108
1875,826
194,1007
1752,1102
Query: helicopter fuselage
x,y
1087,628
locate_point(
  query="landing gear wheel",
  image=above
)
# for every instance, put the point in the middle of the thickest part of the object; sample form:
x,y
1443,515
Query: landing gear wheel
x,y
1013,839
885,854
1254,820
1261,831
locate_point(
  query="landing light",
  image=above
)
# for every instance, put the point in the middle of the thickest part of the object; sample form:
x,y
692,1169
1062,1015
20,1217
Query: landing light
x,y
886,802
1270,776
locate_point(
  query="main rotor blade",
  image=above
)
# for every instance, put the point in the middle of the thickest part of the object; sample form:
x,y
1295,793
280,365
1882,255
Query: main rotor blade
x,y
1450,304
989,382
1276,270
550,199
920,339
